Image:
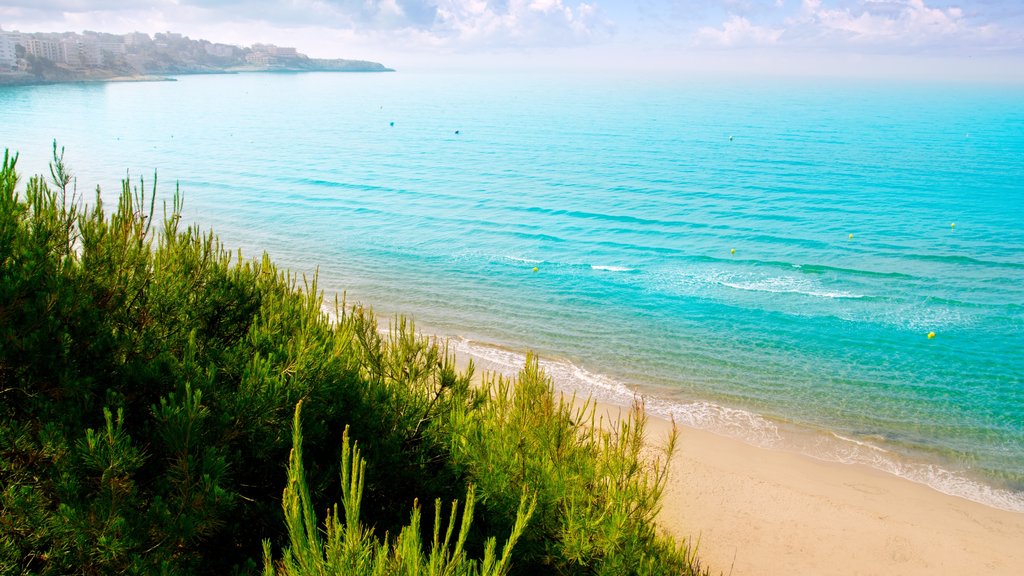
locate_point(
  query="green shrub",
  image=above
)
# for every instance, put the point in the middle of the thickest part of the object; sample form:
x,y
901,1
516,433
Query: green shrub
x,y
348,547
597,487
149,379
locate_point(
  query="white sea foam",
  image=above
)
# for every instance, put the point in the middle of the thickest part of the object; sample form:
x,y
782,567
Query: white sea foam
x,y
570,378
851,451
696,280
611,268
785,285
523,260
921,317
859,442
745,425
727,285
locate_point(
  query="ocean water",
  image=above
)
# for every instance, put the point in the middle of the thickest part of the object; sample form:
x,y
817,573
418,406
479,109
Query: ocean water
x,y
684,239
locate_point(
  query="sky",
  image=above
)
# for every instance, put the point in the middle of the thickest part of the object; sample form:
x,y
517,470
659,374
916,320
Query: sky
x,y
887,38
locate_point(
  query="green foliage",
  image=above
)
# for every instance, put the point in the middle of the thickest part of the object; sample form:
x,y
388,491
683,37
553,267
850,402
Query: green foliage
x,y
149,379
348,547
597,489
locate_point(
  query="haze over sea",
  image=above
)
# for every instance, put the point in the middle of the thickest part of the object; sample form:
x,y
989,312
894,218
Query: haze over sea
x,y
437,195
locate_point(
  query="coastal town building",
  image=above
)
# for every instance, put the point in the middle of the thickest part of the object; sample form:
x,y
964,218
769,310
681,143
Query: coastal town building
x,y
259,59
44,48
220,50
78,52
269,54
70,53
114,47
137,39
135,50
89,53
44,57
8,49
68,49
282,51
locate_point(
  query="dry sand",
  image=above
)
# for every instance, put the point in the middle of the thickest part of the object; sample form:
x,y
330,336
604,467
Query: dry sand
x,y
765,512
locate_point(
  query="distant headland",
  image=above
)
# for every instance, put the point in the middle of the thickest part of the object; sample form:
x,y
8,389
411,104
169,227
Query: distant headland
x,y
50,58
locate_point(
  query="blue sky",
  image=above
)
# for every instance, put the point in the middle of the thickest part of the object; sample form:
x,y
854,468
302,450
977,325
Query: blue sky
x,y
983,38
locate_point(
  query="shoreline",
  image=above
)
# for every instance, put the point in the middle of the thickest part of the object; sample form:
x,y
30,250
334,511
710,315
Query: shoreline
x,y
755,510
764,511
17,80
752,429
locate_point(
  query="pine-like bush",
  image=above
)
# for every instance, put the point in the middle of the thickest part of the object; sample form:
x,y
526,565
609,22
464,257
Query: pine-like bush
x,y
149,380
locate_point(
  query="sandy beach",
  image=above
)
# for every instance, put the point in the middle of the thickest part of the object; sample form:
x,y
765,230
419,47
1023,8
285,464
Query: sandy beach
x,y
765,512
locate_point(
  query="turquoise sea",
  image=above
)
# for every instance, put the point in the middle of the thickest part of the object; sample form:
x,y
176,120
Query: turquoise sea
x,y
691,237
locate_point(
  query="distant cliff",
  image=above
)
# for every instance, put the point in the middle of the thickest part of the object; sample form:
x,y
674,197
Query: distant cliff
x,y
339,65
304,64
44,58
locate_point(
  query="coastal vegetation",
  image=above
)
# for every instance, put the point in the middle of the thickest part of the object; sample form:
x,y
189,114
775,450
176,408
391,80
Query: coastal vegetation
x,y
168,406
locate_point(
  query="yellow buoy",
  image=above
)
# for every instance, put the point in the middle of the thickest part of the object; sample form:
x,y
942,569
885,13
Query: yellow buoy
x,y
931,335
952,224
851,236
535,268
733,251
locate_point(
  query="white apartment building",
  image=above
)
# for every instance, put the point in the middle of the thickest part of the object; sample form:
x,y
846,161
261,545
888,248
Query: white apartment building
x,y
283,52
113,47
8,54
44,49
220,50
275,51
69,53
137,39
90,53
260,59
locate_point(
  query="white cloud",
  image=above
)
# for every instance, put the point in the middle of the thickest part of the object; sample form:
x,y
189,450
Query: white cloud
x,y
885,25
537,31
737,31
455,24
869,26
518,23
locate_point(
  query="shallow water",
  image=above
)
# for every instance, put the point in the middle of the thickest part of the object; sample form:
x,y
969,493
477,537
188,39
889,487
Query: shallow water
x,y
691,238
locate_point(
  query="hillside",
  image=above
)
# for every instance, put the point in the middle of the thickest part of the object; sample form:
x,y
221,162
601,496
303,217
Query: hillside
x,y
42,58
